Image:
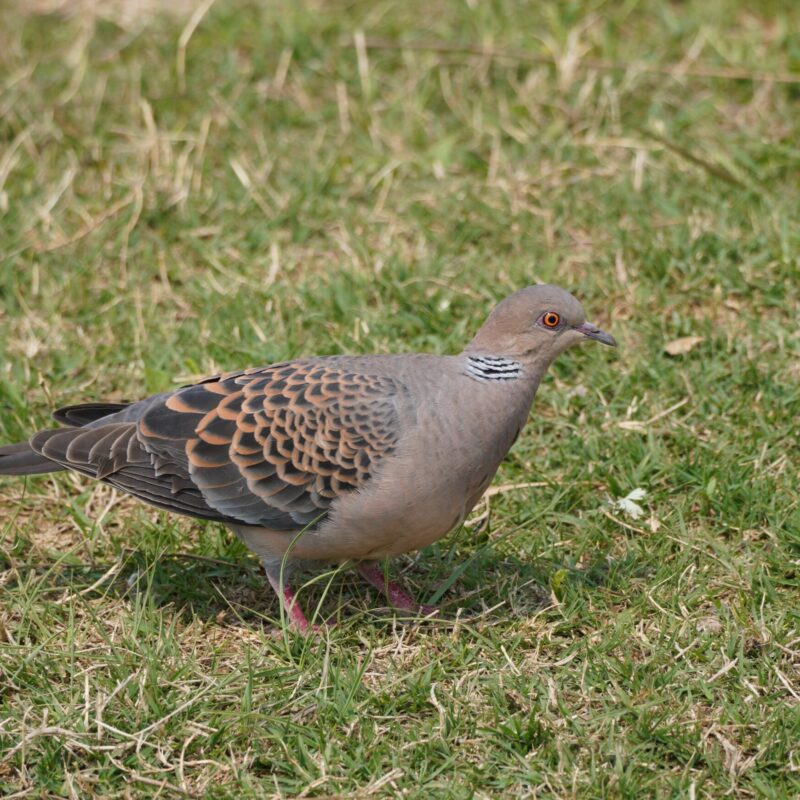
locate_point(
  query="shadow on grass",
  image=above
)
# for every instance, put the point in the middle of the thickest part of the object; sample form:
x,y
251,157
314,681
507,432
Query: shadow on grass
x,y
464,586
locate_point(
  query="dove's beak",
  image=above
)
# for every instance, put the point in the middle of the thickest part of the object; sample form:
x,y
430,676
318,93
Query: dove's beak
x,y
593,332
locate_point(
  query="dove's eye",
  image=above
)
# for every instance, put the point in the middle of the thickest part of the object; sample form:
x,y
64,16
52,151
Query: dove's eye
x,y
550,319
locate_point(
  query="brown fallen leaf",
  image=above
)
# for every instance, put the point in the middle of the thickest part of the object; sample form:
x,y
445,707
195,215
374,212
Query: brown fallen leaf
x,y
679,347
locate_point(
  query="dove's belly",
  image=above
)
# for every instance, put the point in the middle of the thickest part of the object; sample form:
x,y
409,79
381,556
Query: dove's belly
x,y
380,524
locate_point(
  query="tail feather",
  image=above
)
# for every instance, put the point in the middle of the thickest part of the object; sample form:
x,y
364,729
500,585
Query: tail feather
x,y
86,413
22,459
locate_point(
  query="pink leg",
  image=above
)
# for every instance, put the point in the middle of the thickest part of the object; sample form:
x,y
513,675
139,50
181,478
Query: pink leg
x,y
394,593
297,618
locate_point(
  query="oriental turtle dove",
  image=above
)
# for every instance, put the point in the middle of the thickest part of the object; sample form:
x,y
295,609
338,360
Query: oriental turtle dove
x,y
332,458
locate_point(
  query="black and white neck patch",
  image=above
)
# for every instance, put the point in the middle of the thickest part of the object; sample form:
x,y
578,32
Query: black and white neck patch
x,y
492,368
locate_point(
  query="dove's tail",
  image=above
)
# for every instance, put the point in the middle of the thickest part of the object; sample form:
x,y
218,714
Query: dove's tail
x,y
22,459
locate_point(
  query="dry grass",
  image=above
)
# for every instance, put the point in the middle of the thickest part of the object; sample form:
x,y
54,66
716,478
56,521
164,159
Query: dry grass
x,y
186,192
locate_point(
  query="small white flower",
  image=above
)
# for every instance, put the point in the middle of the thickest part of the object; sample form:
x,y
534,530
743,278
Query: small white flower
x,y
628,505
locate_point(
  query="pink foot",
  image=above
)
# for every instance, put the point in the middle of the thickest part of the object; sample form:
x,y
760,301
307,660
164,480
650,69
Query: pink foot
x,y
393,592
297,619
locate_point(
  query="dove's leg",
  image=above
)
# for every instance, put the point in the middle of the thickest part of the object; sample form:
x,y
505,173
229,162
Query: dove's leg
x,y
394,593
286,595
279,570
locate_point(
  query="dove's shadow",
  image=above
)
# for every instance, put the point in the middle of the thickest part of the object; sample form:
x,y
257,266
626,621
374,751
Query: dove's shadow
x,y
466,585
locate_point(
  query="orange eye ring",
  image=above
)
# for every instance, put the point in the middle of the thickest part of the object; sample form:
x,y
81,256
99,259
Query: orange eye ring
x,y
550,319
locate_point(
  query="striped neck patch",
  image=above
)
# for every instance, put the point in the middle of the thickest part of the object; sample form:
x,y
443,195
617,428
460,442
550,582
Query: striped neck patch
x,y
492,368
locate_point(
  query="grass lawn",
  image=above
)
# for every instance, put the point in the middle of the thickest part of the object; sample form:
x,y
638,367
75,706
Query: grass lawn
x,y
270,180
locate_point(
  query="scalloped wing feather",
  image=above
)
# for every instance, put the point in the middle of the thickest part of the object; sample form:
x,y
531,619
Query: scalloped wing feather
x,y
275,446
114,454
271,446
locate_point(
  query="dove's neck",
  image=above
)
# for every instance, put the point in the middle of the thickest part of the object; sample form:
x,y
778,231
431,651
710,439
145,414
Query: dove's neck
x,y
488,369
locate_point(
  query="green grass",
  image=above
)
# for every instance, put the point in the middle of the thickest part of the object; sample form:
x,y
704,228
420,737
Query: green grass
x,y
285,197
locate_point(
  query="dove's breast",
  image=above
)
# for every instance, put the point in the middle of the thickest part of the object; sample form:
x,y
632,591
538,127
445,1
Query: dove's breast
x,y
446,459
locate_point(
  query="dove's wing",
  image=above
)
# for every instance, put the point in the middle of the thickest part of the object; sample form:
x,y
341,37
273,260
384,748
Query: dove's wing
x,y
272,446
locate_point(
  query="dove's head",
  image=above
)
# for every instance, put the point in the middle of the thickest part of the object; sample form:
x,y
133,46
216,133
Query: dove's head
x,y
536,324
